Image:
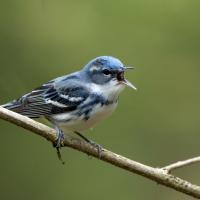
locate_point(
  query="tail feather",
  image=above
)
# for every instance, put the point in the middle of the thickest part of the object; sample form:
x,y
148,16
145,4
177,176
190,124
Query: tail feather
x,y
13,105
18,107
29,110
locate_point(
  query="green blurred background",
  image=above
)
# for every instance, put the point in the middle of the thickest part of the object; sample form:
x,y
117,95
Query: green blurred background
x,y
157,125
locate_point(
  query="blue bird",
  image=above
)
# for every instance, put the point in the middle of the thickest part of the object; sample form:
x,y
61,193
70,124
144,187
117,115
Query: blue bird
x,y
77,101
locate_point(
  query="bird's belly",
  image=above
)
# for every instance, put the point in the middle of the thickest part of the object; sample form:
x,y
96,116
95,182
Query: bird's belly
x,y
80,123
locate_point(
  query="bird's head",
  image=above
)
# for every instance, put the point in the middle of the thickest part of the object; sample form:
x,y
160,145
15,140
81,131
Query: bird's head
x,y
107,72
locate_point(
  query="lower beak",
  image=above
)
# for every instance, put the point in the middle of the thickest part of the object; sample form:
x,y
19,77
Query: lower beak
x,y
121,79
129,84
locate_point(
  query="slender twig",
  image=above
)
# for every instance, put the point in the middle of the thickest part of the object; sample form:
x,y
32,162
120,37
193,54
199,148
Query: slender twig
x,y
181,164
158,175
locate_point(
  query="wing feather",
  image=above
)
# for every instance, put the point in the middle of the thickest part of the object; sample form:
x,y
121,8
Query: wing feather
x,y
51,98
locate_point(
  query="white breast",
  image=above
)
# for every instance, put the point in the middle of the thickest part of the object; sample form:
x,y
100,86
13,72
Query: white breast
x,y
110,91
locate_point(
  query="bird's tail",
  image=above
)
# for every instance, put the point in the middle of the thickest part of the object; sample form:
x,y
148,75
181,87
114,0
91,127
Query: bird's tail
x,y
13,105
28,110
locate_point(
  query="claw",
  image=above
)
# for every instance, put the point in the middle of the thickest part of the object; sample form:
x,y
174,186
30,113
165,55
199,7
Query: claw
x,y
98,147
60,138
59,142
94,144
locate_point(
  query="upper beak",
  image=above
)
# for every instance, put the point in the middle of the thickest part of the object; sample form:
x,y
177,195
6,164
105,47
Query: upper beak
x,y
129,67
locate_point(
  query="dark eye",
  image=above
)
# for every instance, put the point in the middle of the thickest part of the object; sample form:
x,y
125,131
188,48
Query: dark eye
x,y
106,71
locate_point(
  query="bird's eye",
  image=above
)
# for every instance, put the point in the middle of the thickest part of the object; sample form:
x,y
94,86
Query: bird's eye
x,y
106,72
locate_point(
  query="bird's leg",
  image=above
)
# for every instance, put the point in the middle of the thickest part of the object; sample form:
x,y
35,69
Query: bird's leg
x,y
94,144
60,138
59,142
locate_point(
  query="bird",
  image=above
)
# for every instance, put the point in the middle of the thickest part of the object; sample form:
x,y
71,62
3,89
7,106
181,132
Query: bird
x,y
77,101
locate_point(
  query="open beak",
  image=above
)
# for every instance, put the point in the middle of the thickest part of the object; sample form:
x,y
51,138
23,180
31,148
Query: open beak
x,y
121,79
129,84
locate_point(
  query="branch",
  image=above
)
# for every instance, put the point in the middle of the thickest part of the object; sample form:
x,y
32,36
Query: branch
x,y
181,164
158,175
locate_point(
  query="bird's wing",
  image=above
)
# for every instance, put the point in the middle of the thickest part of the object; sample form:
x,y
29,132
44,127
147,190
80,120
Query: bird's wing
x,y
52,98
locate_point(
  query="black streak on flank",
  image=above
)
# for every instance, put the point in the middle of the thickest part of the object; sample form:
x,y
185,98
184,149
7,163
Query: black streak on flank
x,y
58,110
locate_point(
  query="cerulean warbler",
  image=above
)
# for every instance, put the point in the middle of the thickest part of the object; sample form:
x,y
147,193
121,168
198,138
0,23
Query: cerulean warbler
x,y
76,101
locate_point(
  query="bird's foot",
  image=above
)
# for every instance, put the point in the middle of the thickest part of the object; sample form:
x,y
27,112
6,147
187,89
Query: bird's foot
x,y
92,143
59,143
97,146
